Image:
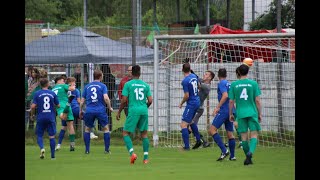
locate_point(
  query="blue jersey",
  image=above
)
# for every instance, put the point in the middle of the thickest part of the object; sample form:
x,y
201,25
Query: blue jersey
x,y
94,95
45,101
190,85
74,102
223,86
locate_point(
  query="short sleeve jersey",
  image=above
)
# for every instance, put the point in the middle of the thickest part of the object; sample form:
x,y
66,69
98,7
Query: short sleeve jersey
x,y
137,92
45,101
94,95
223,86
61,91
74,102
244,93
190,85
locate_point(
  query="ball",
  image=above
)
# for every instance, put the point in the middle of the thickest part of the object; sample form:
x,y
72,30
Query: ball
x,y
248,62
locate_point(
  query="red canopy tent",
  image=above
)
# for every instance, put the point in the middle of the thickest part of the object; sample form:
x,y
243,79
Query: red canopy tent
x,y
256,49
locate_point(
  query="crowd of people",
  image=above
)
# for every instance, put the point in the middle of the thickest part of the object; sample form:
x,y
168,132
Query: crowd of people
x,y
238,107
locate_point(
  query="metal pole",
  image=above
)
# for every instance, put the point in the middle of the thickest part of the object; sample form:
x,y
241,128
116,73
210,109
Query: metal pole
x,y
85,14
279,16
138,22
228,14
155,94
253,9
82,87
134,26
208,14
178,10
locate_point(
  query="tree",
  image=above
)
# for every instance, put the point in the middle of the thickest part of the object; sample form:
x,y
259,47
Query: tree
x,y
268,20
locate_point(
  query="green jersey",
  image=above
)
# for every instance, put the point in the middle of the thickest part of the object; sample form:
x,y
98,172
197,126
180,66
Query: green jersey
x,y
244,93
137,92
61,91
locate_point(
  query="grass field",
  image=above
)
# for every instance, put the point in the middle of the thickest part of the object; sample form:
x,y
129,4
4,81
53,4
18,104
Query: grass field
x,y
165,164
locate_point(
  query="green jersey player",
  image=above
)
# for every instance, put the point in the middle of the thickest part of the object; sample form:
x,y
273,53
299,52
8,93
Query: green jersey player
x,y
138,94
63,91
245,94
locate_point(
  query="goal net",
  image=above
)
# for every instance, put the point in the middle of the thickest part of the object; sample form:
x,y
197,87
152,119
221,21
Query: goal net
x,y
273,69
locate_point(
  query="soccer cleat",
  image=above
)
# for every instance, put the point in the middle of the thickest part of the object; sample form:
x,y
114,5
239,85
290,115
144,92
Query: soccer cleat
x,y
71,97
248,160
226,145
58,147
145,161
206,144
42,151
197,145
87,152
107,152
223,155
72,148
133,158
232,158
93,136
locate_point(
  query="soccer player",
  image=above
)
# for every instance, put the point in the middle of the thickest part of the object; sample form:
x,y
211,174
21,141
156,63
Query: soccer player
x,y
62,90
44,102
95,96
191,96
245,93
125,79
221,113
138,94
235,122
204,90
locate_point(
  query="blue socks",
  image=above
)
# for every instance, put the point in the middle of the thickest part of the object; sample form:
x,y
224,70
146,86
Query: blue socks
x,y
106,137
195,131
185,137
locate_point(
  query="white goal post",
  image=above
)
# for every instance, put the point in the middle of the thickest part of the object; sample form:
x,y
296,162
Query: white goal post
x,y
273,69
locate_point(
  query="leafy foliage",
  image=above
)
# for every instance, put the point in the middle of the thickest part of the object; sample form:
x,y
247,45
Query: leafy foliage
x,y
268,20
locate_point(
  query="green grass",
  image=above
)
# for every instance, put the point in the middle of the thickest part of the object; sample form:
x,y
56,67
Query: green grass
x,y
165,164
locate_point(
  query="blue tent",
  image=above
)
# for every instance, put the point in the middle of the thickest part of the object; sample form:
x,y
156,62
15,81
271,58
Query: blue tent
x,y
81,46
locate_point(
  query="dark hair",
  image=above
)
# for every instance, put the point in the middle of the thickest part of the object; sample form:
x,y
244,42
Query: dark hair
x,y
212,74
97,74
136,70
64,77
186,67
44,82
222,72
58,79
243,69
237,72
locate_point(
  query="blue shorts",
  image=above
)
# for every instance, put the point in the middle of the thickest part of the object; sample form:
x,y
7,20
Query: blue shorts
x,y
89,119
46,124
75,112
189,113
222,118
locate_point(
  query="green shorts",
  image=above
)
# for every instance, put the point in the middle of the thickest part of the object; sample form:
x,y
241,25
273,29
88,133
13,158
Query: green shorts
x,y
136,121
70,115
250,123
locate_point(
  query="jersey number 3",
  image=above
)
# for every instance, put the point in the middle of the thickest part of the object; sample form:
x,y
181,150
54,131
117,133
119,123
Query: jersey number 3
x,y
139,93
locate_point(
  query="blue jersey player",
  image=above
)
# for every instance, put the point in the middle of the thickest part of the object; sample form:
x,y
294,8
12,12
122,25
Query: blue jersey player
x,y
95,95
191,96
44,102
221,113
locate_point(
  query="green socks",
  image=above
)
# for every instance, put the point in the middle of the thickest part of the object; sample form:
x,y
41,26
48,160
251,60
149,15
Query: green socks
x,y
245,147
145,144
128,142
253,144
